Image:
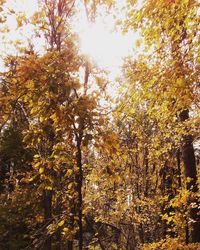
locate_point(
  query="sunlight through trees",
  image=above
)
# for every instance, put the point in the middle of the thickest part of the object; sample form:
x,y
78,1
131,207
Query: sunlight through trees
x,y
99,125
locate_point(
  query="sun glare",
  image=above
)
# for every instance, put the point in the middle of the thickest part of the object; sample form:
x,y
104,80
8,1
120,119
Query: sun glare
x,y
100,41
105,47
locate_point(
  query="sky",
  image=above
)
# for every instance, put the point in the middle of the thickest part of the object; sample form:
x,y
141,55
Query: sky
x,y
100,41
14,34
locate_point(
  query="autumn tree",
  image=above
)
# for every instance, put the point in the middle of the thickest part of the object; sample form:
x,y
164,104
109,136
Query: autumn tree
x,y
75,174
61,116
170,87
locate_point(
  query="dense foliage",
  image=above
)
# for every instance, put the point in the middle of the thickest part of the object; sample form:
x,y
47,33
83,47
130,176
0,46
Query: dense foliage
x,y
77,175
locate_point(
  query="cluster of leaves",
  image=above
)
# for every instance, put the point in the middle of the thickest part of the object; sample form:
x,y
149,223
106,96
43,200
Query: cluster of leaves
x,y
47,97
173,244
71,177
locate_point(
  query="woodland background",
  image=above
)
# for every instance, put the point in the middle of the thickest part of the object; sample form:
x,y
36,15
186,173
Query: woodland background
x,y
75,174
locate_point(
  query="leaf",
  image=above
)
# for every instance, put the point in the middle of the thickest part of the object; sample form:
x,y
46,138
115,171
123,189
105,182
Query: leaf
x,y
42,119
180,82
21,20
70,185
66,230
5,117
61,223
69,173
41,170
37,165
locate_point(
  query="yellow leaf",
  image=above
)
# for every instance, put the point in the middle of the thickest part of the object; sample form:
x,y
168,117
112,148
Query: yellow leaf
x,y
61,223
5,117
138,43
70,185
69,173
32,178
65,229
41,170
41,119
37,165
180,81
20,20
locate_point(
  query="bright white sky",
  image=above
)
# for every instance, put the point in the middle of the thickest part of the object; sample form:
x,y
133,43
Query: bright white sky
x,y
98,40
104,44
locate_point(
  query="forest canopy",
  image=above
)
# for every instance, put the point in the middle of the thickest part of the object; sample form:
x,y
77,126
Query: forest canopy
x,y
92,155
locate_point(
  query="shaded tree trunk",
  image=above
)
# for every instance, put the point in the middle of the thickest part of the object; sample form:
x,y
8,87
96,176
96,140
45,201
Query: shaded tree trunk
x,y
79,181
188,157
59,212
71,223
69,245
191,178
178,157
146,174
47,195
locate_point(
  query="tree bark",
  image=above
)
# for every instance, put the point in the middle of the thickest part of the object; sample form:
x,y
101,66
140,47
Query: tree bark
x,y
146,174
79,180
188,156
47,195
178,157
191,178
69,245
71,223
58,233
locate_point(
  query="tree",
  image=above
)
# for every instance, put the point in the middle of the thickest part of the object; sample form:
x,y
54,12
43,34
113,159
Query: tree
x,y
61,116
171,88
78,175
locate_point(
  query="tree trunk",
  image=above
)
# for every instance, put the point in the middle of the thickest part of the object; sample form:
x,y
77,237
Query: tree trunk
x,y
71,223
47,195
178,157
191,178
189,157
69,245
58,233
146,174
79,180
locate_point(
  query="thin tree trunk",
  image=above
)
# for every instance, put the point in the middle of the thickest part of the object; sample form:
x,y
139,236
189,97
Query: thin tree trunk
x,y
187,231
71,223
69,245
79,190
141,233
58,210
178,157
47,195
146,177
